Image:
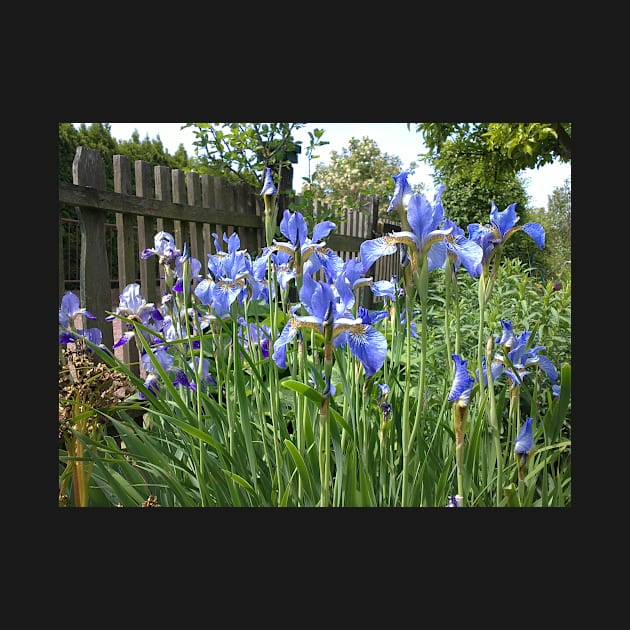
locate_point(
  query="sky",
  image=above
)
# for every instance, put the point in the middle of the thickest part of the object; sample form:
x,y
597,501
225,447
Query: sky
x,y
392,138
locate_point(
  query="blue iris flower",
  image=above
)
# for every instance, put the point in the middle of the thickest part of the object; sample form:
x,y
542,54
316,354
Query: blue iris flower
x,y
323,304
269,187
134,307
502,225
524,441
521,356
231,277
70,308
163,247
402,192
300,246
462,382
426,239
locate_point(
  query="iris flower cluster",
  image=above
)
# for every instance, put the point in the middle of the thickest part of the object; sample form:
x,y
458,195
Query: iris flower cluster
x,y
430,236
327,288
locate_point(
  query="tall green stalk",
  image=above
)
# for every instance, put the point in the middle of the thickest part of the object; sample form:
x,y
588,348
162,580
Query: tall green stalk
x,y
494,422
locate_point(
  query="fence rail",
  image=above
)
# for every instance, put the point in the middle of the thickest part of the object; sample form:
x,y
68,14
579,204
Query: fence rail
x,y
188,205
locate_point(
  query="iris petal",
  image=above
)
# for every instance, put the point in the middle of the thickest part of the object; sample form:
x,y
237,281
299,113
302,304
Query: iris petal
x,y
371,251
369,346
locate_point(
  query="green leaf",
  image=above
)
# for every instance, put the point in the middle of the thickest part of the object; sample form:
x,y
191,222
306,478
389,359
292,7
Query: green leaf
x,y
239,480
316,397
560,410
301,466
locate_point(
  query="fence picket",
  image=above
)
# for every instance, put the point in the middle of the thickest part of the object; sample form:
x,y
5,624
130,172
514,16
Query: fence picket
x,y
147,228
95,291
193,191
126,233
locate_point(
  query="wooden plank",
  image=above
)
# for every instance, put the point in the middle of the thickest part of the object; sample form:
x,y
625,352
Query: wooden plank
x,y
193,193
344,243
62,271
146,232
126,234
180,229
162,178
88,197
95,290
207,195
222,199
246,205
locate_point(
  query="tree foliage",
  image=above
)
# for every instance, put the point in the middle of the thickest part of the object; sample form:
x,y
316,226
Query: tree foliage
x,y
240,152
98,136
153,151
359,168
496,150
555,260
469,200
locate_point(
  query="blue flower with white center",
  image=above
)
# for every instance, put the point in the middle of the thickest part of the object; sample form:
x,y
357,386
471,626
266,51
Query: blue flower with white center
x,y
163,247
462,382
281,265
152,383
346,279
254,334
496,369
524,441
93,335
134,307
507,338
413,327
502,225
329,388
206,377
231,277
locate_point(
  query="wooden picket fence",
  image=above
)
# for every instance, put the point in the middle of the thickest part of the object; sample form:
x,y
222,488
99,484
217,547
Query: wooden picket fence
x,y
191,207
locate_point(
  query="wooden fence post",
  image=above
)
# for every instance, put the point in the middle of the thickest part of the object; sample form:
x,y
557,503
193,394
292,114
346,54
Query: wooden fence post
x,y
88,170
245,204
207,201
127,253
146,232
193,196
62,269
181,229
161,175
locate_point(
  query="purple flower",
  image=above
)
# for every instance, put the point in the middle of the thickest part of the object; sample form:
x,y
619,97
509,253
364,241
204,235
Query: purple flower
x,y
524,441
70,308
462,382
502,225
268,185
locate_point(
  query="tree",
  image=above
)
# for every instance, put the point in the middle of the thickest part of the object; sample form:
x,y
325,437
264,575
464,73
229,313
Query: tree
x,y
359,168
555,261
498,149
467,199
153,151
240,152
98,136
